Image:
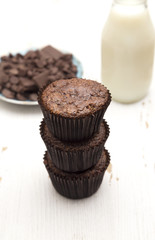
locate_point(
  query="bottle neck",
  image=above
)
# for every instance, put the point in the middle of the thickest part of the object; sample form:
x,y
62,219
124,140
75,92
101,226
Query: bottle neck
x,y
130,2
129,7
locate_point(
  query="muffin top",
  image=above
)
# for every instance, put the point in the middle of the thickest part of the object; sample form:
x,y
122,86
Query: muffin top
x,y
100,167
74,97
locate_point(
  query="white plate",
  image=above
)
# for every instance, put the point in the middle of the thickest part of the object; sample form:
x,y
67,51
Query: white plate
x,y
76,62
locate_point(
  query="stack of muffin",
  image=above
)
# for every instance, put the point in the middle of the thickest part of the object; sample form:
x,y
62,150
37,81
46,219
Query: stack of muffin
x,y
75,133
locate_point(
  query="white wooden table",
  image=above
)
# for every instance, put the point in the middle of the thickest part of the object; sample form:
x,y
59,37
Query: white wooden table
x,y
30,208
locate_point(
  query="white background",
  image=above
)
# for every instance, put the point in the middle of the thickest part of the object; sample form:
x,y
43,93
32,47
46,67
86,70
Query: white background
x,y
30,208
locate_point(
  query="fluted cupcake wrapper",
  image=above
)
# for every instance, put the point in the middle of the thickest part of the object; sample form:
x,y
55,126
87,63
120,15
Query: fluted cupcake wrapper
x,y
74,128
74,160
76,187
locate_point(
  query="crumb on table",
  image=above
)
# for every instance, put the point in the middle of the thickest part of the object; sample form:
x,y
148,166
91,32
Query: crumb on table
x,y
4,149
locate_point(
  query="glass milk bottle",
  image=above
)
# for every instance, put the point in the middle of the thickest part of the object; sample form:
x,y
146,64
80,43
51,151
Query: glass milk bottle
x,y
128,50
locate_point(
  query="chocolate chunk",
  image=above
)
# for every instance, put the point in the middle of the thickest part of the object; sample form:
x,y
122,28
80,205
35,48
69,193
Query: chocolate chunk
x,y
50,61
20,97
54,70
13,71
10,55
14,80
70,75
15,60
29,73
8,93
4,58
22,69
52,78
41,79
67,57
19,56
30,55
26,82
6,65
59,75
27,85
8,85
33,96
66,68
3,77
39,63
16,88
59,63
50,52
74,69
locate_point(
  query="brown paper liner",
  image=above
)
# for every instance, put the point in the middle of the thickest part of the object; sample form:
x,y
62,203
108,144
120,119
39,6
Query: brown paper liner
x,y
73,128
74,159
80,185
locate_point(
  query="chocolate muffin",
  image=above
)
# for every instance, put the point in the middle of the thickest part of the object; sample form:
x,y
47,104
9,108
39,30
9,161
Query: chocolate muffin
x,y
78,185
74,108
75,156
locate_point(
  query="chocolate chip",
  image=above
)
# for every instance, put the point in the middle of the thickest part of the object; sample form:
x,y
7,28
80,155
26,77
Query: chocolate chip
x,y
13,71
50,52
10,55
67,57
70,75
14,60
8,93
5,58
27,85
49,62
22,69
29,73
51,78
33,96
42,78
21,97
6,65
26,82
8,85
19,56
39,63
14,80
54,70
30,55
3,77
66,68
59,75
74,68
16,88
